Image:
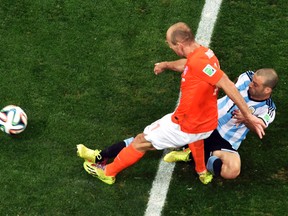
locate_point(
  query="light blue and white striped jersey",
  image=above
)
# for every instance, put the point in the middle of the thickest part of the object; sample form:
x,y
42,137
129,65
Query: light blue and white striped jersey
x,y
227,125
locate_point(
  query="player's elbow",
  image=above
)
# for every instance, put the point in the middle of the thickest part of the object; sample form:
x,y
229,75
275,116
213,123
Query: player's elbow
x,y
225,83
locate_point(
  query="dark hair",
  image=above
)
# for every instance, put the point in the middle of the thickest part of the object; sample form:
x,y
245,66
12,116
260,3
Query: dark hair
x,y
271,77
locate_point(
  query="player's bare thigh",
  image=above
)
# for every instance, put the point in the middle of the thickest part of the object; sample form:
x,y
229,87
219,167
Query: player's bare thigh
x,y
141,144
231,163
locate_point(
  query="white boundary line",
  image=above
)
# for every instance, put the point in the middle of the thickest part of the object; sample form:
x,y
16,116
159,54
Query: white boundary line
x,y
163,177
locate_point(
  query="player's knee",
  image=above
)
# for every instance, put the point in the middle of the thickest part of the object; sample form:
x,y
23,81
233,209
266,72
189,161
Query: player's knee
x,y
141,144
139,139
235,167
232,172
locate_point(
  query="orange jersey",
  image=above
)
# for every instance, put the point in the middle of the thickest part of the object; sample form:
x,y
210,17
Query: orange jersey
x,y
197,109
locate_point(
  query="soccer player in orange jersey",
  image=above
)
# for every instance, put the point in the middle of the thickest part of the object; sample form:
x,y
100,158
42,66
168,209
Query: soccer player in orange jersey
x,y
195,117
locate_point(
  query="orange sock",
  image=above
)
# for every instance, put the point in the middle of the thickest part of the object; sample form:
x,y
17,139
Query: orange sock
x,y
197,150
126,157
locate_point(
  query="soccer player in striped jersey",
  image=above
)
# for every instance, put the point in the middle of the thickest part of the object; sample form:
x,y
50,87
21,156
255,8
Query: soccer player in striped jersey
x,y
222,158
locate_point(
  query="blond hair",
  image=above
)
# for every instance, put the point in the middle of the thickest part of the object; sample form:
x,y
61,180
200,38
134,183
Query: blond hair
x,y
180,32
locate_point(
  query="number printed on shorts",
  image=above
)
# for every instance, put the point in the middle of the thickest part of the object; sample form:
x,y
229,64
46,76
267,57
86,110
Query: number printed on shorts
x,y
156,126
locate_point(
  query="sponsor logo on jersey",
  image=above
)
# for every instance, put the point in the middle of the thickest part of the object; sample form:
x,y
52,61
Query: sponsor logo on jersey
x,y
209,70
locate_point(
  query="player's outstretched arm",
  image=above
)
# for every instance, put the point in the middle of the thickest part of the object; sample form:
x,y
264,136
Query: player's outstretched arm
x,y
177,65
229,88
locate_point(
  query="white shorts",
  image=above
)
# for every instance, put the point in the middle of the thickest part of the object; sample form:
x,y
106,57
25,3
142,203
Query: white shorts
x,y
164,134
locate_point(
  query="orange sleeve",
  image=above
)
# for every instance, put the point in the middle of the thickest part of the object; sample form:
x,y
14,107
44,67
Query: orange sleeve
x,y
207,72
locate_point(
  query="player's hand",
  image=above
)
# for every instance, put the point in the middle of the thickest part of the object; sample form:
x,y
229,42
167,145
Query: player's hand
x,y
254,123
159,67
258,125
239,117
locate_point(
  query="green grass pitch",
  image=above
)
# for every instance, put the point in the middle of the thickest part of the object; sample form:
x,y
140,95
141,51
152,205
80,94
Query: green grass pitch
x,y
83,72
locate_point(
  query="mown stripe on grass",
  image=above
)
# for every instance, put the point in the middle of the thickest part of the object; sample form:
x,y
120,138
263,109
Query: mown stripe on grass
x,y
162,180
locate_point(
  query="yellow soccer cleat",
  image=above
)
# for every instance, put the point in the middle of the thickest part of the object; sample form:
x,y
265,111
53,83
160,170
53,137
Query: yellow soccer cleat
x,y
97,171
88,154
205,177
175,156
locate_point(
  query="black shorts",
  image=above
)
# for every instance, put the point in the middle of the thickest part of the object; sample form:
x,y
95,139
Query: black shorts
x,y
216,142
